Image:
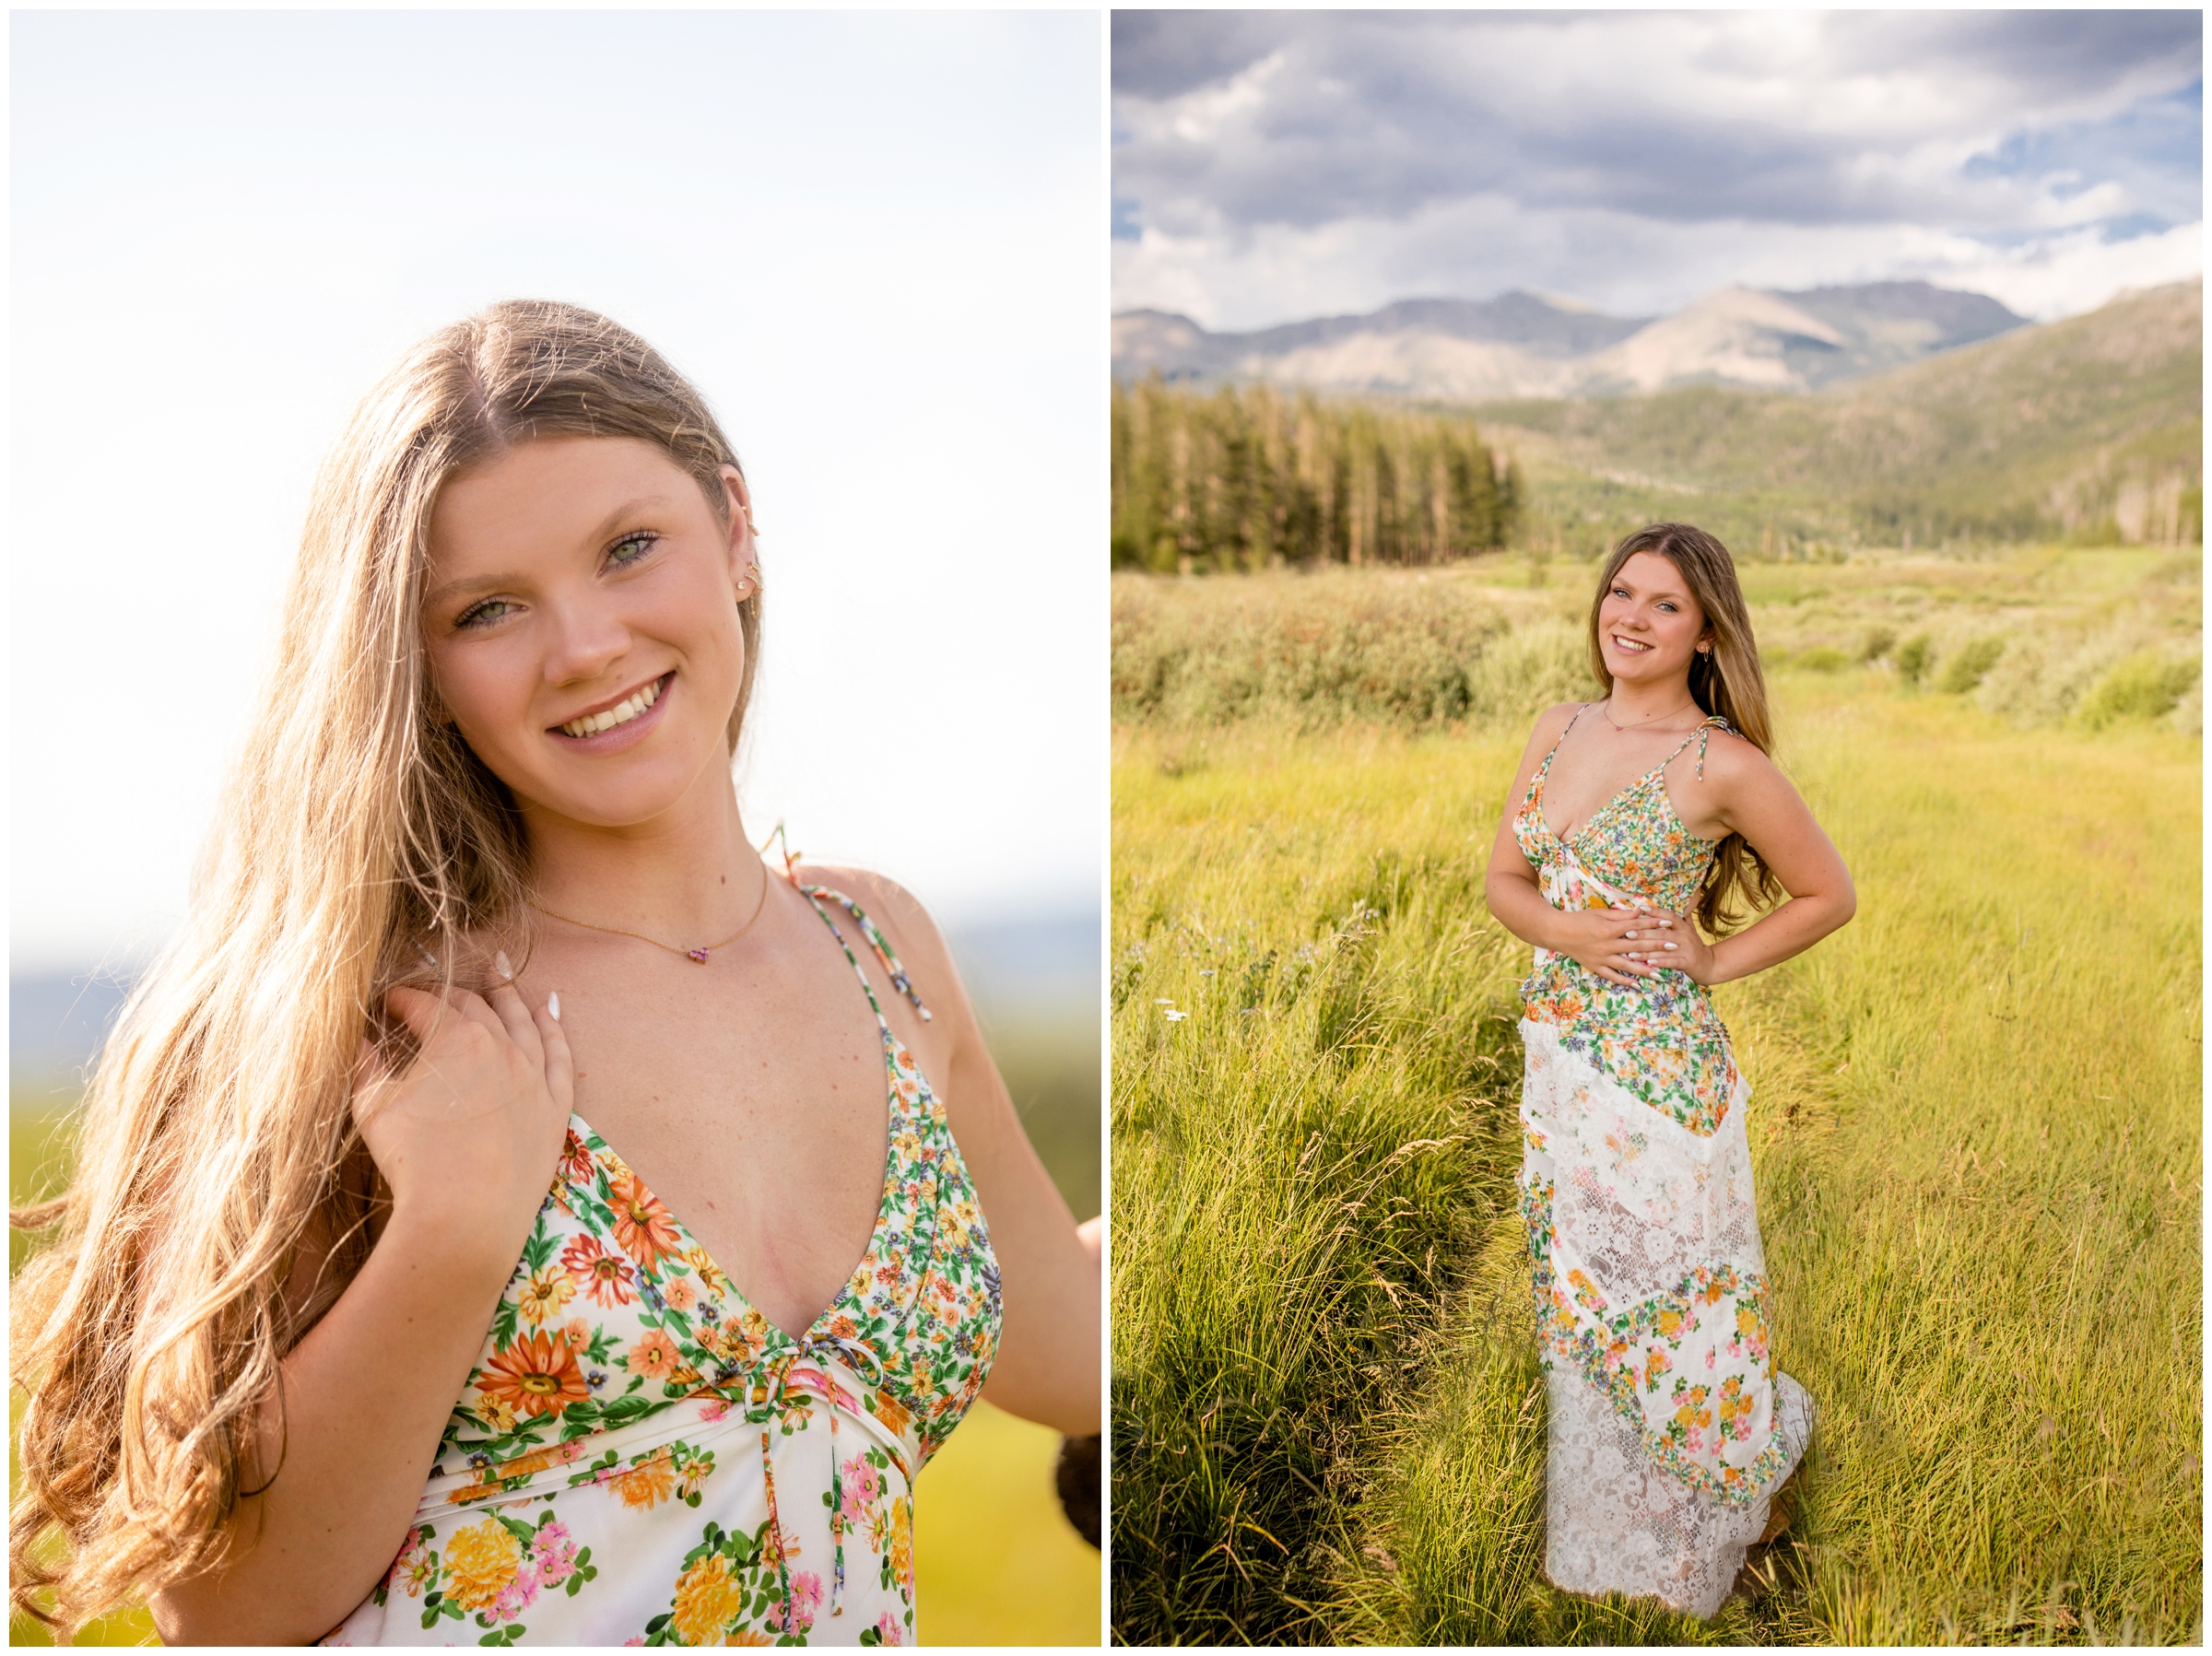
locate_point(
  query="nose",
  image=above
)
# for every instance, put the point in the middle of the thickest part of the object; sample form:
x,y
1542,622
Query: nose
x,y
586,639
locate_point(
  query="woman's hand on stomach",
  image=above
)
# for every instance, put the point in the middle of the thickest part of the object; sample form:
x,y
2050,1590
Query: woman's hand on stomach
x,y
1625,944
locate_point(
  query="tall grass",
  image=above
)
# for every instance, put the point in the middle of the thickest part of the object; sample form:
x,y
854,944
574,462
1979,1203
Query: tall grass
x,y
1977,1142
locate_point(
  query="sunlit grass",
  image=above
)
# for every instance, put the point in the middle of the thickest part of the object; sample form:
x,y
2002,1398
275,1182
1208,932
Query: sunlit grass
x,y
1977,1136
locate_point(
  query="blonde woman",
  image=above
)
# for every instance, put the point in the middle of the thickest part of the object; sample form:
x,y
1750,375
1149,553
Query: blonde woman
x,y
1636,827
515,1211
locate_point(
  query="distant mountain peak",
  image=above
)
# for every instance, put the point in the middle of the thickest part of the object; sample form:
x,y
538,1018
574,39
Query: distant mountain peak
x,y
1530,343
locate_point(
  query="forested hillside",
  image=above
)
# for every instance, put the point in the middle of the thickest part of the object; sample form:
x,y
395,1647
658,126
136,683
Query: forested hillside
x,y
1244,478
2089,430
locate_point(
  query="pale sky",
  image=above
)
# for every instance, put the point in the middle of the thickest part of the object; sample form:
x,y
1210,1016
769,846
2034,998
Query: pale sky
x,y
1274,165
874,241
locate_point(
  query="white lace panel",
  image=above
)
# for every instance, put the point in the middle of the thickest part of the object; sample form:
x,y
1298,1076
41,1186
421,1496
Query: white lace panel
x,y
1616,1521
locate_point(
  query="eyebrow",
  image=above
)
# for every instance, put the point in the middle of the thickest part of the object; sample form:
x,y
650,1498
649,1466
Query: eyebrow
x,y
450,590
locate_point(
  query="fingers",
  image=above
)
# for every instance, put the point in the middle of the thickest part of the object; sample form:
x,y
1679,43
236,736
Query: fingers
x,y
560,1068
514,1017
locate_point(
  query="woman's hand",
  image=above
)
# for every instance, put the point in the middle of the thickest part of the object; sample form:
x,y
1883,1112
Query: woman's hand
x,y
1624,943
469,1135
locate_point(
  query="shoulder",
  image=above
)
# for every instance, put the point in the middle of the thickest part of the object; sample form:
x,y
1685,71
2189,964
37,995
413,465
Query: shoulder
x,y
897,912
1731,760
1552,723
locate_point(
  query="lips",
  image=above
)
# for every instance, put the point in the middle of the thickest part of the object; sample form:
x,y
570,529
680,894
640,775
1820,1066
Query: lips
x,y
616,712
1632,646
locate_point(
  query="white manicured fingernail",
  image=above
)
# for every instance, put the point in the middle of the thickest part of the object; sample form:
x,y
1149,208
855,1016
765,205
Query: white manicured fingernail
x,y
553,1005
506,971
1670,946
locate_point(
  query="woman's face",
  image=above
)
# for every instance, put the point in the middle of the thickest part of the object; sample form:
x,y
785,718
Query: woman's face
x,y
1648,625
581,615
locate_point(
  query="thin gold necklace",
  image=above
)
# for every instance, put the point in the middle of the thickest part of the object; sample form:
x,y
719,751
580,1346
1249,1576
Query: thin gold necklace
x,y
1639,724
698,956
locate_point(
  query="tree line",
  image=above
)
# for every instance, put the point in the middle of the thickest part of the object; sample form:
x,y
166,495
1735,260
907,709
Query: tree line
x,y
1248,477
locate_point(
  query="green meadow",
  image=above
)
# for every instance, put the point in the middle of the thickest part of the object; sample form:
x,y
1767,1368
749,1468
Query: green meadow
x,y
1975,1124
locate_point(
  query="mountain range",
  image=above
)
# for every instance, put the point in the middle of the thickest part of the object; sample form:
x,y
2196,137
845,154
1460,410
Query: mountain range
x,y
1532,345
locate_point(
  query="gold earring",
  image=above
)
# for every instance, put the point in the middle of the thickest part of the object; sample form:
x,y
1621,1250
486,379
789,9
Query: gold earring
x,y
752,528
751,577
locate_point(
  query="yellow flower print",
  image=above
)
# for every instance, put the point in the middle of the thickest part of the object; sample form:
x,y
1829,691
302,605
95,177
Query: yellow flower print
x,y
1670,1322
1655,1365
706,1597
1747,1321
544,1294
481,1562
903,1543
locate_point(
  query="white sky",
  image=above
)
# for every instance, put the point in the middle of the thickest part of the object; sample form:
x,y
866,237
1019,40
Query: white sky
x,y
875,242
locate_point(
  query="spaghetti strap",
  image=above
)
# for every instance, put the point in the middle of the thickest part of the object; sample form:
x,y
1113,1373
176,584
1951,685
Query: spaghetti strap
x,y
1700,735
817,895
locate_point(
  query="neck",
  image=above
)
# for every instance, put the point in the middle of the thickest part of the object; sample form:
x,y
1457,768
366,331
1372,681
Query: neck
x,y
1637,704
687,877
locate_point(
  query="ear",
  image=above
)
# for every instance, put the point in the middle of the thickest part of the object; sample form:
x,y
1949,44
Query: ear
x,y
737,505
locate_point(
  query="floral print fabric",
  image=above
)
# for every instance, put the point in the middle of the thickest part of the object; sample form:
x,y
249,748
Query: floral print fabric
x,y
1669,1425
642,1457
1661,1039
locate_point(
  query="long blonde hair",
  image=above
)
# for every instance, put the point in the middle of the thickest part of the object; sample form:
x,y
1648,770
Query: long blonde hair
x,y
358,837
1728,683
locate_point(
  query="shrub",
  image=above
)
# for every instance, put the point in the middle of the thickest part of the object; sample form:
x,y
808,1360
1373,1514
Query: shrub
x,y
1915,657
1878,642
1823,658
1971,664
2142,686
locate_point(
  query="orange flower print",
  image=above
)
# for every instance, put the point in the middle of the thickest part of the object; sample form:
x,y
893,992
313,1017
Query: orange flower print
x,y
643,1228
655,1356
708,1597
647,1484
577,1333
537,1375
575,1159
680,1294
607,1277
1655,1365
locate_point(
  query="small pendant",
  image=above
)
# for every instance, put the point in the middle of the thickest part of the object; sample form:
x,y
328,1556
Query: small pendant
x,y
698,955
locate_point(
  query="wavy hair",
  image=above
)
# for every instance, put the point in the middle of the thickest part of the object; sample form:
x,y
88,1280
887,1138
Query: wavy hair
x,y
1728,683
358,839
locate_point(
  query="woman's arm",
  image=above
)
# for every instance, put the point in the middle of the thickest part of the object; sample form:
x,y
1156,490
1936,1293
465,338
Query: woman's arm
x,y
467,1140
1048,1367
1748,795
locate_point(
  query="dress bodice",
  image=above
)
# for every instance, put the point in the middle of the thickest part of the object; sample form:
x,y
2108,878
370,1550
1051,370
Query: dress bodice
x,y
641,1455
1661,1038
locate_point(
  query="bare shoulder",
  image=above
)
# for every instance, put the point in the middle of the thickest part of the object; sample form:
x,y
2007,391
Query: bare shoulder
x,y
897,911
1733,758
1552,723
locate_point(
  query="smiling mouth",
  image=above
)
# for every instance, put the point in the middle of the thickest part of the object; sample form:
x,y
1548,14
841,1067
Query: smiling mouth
x,y
632,706
1632,646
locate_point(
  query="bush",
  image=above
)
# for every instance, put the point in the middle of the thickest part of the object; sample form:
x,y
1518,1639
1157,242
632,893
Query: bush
x,y
1323,648
1823,658
1878,642
1915,657
2142,686
1971,664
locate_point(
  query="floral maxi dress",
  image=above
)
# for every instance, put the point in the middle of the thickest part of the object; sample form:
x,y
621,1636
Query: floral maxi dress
x,y
640,1457
1669,1427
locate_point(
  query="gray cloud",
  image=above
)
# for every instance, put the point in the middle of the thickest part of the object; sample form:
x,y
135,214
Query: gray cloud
x,y
1386,113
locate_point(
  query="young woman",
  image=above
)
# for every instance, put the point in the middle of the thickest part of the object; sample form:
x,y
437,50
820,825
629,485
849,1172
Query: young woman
x,y
1635,825
514,1211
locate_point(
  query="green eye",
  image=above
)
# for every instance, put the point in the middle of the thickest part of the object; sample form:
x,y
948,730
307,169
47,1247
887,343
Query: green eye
x,y
480,615
630,549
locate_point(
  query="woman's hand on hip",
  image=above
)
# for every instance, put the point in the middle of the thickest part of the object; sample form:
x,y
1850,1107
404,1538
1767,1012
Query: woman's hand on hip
x,y
469,1134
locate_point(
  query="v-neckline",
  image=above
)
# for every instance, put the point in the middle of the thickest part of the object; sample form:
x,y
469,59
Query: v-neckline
x,y
778,1333
1543,778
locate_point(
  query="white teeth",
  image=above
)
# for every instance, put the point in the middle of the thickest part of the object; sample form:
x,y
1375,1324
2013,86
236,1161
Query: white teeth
x,y
622,713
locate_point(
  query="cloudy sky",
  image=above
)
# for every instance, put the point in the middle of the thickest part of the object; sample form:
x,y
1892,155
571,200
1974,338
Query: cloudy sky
x,y
1271,166
874,241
